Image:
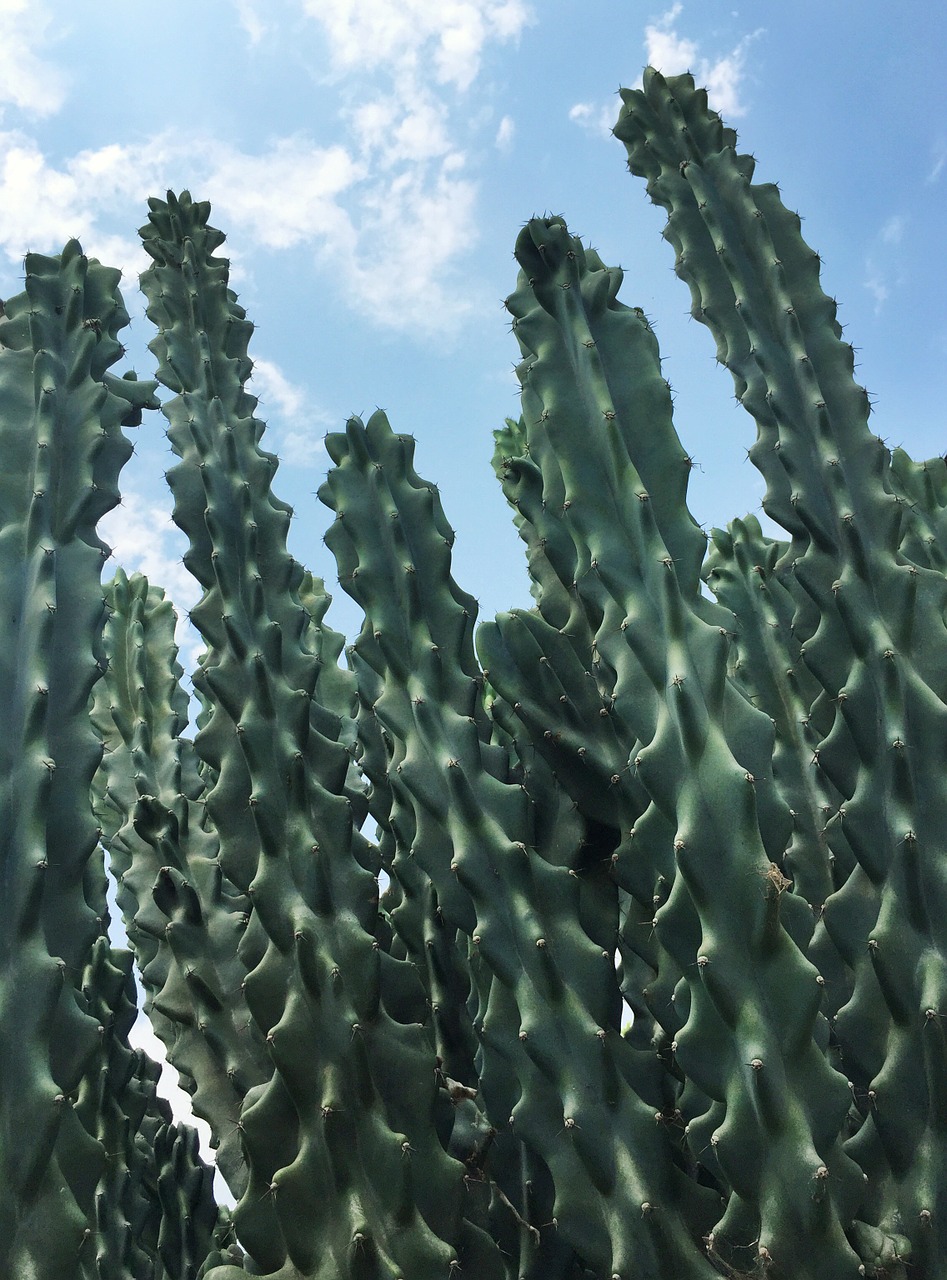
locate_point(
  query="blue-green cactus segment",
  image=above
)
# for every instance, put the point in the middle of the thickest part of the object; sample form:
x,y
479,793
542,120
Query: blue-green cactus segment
x,y
347,1175
924,486
533,497
769,668
869,619
503,878
62,450
183,918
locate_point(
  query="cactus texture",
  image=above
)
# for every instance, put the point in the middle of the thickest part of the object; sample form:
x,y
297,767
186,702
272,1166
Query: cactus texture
x,y
604,940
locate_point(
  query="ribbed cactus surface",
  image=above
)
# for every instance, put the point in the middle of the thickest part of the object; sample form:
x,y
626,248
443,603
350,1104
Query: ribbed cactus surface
x,y
603,940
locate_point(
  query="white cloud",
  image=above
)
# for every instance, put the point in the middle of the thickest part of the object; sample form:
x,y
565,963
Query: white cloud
x,y
390,190
882,269
251,21
893,230
416,227
41,206
408,65
405,39
875,284
27,82
673,54
668,52
505,131
288,411
281,198
597,119
284,197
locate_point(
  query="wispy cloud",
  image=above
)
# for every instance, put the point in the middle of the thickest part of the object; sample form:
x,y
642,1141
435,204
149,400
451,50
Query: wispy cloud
x,y
404,41
671,53
289,411
938,160
28,81
251,20
882,262
596,117
505,131
406,70
387,182
42,206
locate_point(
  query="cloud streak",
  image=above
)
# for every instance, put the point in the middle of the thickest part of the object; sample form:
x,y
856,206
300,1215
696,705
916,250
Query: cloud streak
x,y
673,54
383,199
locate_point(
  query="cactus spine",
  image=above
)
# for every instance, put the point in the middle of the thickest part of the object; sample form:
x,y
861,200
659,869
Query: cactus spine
x,y
389,918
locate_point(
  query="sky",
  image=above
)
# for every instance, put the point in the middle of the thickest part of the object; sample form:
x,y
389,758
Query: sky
x,y
371,162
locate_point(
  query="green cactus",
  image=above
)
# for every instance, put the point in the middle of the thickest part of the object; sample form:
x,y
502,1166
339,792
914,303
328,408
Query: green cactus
x,y
390,918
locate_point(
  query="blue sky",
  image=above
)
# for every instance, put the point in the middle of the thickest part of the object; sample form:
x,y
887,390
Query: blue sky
x,y
371,162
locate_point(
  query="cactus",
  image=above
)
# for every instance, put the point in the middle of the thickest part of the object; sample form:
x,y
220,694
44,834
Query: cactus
x,y
601,941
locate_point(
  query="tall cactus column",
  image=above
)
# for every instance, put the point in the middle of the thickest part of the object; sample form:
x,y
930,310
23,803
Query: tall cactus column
x,y
870,620
62,451
752,1036
347,1173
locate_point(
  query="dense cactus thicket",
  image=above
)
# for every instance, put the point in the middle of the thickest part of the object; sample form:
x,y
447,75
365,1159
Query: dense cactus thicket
x,y
391,915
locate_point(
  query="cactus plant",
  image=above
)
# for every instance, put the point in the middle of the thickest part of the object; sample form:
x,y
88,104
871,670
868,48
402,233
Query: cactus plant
x,y
601,942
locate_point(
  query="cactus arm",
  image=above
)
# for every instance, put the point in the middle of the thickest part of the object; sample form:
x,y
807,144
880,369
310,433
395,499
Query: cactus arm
x,y
753,281
697,739
63,449
520,910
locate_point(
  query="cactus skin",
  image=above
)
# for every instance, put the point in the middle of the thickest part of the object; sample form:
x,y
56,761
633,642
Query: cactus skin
x,y
724,814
